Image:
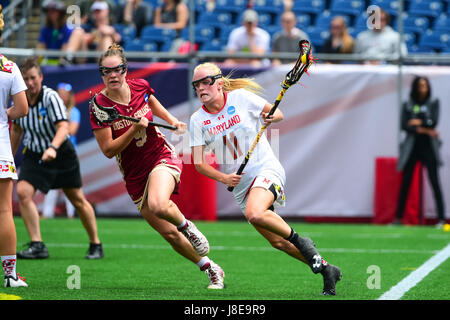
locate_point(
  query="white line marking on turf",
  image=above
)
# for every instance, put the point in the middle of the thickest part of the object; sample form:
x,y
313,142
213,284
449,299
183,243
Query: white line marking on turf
x,y
242,248
397,291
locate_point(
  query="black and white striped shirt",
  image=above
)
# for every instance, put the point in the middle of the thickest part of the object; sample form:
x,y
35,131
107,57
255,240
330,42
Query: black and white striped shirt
x,y
39,125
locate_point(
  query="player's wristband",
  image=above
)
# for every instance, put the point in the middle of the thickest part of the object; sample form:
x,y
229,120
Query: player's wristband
x,y
53,147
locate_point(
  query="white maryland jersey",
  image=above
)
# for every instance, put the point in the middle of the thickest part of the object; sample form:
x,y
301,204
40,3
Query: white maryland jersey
x,y
230,133
11,83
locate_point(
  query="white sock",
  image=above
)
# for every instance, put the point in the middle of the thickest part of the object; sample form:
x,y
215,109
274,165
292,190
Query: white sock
x,y
9,265
202,262
183,224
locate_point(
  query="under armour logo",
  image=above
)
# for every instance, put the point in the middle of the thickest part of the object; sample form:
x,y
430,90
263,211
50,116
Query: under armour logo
x,y
129,110
317,261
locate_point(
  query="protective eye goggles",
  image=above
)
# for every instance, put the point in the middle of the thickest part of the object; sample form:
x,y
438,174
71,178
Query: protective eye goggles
x,y
121,69
206,80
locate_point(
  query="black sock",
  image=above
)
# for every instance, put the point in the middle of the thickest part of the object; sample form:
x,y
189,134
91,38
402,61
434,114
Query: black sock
x,y
290,236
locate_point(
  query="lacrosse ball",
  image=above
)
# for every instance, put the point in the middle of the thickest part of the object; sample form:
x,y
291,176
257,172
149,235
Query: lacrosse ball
x,y
446,227
304,59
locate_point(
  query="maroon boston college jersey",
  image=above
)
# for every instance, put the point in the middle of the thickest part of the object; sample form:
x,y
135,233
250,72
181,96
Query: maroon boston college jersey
x,y
149,147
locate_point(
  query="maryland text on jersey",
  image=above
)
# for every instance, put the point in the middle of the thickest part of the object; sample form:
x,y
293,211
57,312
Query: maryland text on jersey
x,y
224,125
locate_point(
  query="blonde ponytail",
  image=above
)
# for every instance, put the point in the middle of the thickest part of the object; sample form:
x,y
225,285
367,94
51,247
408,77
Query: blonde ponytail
x,y
2,23
230,84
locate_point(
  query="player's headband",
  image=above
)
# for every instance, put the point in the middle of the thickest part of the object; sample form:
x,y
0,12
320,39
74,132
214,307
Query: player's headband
x,y
121,68
212,79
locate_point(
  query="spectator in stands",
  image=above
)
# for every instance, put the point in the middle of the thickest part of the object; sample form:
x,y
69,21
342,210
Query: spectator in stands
x,y
340,41
419,118
98,35
288,39
172,14
136,13
55,34
380,41
85,10
73,115
248,38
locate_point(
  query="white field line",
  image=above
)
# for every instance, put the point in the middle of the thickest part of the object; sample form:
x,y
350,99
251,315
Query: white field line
x,y
397,291
242,248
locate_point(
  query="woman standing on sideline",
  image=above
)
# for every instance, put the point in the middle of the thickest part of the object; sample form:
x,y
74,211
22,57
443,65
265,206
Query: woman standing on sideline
x,y
11,85
229,117
420,116
49,162
150,166
73,114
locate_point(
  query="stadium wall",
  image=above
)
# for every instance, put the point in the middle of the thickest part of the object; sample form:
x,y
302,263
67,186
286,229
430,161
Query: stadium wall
x,y
336,124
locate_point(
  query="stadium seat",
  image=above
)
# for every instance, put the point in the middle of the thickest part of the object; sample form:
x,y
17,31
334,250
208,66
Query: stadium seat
x,y
224,33
127,33
214,45
309,6
436,40
230,6
318,36
202,33
303,20
353,7
409,38
161,35
414,24
390,6
442,23
215,19
273,29
418,49
323,20
269,6
140,45
424,8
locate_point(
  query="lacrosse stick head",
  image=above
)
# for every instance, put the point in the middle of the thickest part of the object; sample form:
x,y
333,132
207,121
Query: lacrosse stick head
x,y
302,64
101,113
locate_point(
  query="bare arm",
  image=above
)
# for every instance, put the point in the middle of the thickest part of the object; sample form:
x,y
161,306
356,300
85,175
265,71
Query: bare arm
x,y
276,117
20,107
16,134
198,155
161,112
112,147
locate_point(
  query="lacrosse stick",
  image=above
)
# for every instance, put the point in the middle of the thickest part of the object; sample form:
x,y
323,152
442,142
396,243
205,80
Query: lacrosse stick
x,y
108,114
301,66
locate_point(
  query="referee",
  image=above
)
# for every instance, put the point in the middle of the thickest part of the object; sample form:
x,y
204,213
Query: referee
x,y
50,162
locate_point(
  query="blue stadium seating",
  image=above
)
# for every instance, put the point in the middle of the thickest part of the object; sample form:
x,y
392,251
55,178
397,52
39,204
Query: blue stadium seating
x,y
436,40
140,45
323,20
414,24
303,20
390,6
151,33
318,36
353,7
235,6
309,6
128,33
202,33
215,19
424,8
214,45
269,6
442,23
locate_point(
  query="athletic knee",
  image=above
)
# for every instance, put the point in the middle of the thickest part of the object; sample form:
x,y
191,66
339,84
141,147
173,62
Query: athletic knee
x,y
24,193
255,217
159,208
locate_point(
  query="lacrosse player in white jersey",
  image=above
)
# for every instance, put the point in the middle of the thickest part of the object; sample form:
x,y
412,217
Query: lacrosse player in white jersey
x,y
226,124
11,86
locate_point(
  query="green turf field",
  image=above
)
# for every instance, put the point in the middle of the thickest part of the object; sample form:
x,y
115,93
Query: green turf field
x,y
139,264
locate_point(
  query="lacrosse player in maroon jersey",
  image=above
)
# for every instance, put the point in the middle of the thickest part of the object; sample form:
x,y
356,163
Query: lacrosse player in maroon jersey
x,y
149,164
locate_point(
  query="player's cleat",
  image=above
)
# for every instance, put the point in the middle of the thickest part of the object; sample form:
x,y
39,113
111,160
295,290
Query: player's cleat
x,y
215,275
95,251
331,275
11,282
196,238
35,250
